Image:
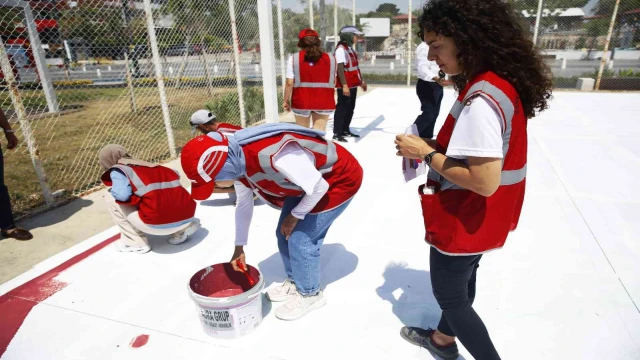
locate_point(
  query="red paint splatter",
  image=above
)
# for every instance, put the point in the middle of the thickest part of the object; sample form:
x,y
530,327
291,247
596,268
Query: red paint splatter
x,y
139,341
16,304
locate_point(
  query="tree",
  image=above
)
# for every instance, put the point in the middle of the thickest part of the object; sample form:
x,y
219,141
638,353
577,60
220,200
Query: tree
x,y
388,8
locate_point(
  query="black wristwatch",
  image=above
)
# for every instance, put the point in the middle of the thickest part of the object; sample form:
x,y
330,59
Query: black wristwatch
x,y
427,159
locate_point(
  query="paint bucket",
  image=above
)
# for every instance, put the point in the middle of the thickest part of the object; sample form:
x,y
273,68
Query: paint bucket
x,y
227,305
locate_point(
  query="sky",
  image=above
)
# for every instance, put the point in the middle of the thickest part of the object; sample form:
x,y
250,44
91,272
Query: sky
x,y
362,6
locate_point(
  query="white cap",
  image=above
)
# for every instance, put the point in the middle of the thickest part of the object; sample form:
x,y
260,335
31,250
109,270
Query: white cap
x,y
350,29
201,117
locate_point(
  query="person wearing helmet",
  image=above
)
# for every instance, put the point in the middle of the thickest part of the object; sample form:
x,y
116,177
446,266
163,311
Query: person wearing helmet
x,y
349,78
294,169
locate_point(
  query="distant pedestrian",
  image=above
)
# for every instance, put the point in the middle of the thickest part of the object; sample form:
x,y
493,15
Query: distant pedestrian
x,y
7,224
349,78
429,90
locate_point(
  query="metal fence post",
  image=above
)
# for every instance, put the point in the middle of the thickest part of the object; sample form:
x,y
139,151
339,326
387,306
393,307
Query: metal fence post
x,y
353,16
310,12
268,61
283,76
606,44
537,27
207,73
41,63
236,57
335,23
16,99
132,95
409,38
160,77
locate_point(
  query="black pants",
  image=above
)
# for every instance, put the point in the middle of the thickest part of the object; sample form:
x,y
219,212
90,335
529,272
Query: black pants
x,y
430,95
344,111
6,216
454,285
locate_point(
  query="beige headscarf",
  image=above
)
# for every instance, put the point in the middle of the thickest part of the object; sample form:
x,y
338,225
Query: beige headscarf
x,y
111,154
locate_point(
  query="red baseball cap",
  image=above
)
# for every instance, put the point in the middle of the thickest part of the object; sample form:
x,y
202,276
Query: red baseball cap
x,y
202,159
307,32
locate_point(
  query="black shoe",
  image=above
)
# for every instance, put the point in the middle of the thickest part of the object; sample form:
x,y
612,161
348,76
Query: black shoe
x,y
350,134
421,337
340,138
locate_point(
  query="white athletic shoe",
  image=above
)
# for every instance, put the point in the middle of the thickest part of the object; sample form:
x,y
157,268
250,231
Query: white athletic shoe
x,y
300,306
132,249
284,292
182,236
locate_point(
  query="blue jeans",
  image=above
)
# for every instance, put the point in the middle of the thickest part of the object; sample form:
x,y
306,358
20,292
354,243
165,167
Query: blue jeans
x,y
301,253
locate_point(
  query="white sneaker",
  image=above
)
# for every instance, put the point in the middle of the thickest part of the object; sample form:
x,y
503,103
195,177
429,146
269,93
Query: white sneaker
x,y
284,292
300,306
131,249
182,236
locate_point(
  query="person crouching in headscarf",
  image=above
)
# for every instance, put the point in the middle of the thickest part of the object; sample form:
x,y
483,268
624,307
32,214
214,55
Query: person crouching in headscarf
x,y
145,198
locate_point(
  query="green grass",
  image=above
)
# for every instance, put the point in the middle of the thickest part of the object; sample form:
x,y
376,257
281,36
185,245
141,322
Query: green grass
x,y
68,143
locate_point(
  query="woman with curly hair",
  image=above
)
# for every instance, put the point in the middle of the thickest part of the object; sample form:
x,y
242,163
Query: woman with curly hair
x,y
476,182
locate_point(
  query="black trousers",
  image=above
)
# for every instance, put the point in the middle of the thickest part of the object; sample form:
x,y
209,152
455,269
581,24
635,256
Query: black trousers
x,y
454,285
344,111
6,216
430,95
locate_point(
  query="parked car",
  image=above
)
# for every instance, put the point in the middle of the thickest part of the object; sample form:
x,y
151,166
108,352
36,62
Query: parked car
x,y
181,50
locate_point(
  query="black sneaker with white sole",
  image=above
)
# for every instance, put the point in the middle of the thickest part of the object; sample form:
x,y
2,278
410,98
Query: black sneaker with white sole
x,y
422,338
350,134
337,137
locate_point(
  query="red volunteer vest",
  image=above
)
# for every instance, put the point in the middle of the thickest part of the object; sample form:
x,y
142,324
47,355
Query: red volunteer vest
x,y
314,83
227,128
157,192
459,221
351,69
338,167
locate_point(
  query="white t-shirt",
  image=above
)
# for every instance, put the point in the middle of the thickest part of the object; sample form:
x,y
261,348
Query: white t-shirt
x,y
341,56
478,132
298,166
427,70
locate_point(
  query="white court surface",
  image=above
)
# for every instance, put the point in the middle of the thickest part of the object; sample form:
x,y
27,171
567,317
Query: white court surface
x,y
565,286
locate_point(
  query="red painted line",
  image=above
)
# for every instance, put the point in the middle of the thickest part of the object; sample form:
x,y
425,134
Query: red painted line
x,y
16,304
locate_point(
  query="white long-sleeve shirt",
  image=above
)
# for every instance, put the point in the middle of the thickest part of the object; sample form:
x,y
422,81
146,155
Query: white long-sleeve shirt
x,y
298,166
427,70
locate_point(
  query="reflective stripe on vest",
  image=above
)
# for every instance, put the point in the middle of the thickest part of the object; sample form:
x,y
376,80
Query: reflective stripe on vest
x,y
141,188
506,109
350,55
269,173
330,84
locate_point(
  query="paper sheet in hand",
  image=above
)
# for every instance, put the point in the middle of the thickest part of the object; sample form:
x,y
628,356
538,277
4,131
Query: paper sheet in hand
x,y
412,168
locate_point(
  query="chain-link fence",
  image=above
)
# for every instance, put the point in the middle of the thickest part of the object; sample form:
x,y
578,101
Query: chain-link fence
x,y
77,75
593,40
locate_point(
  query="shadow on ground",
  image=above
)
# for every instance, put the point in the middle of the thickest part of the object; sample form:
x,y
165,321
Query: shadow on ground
x,y
336,263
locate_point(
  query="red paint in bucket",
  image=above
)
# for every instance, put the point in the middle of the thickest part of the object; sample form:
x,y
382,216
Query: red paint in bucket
x,y
221,280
